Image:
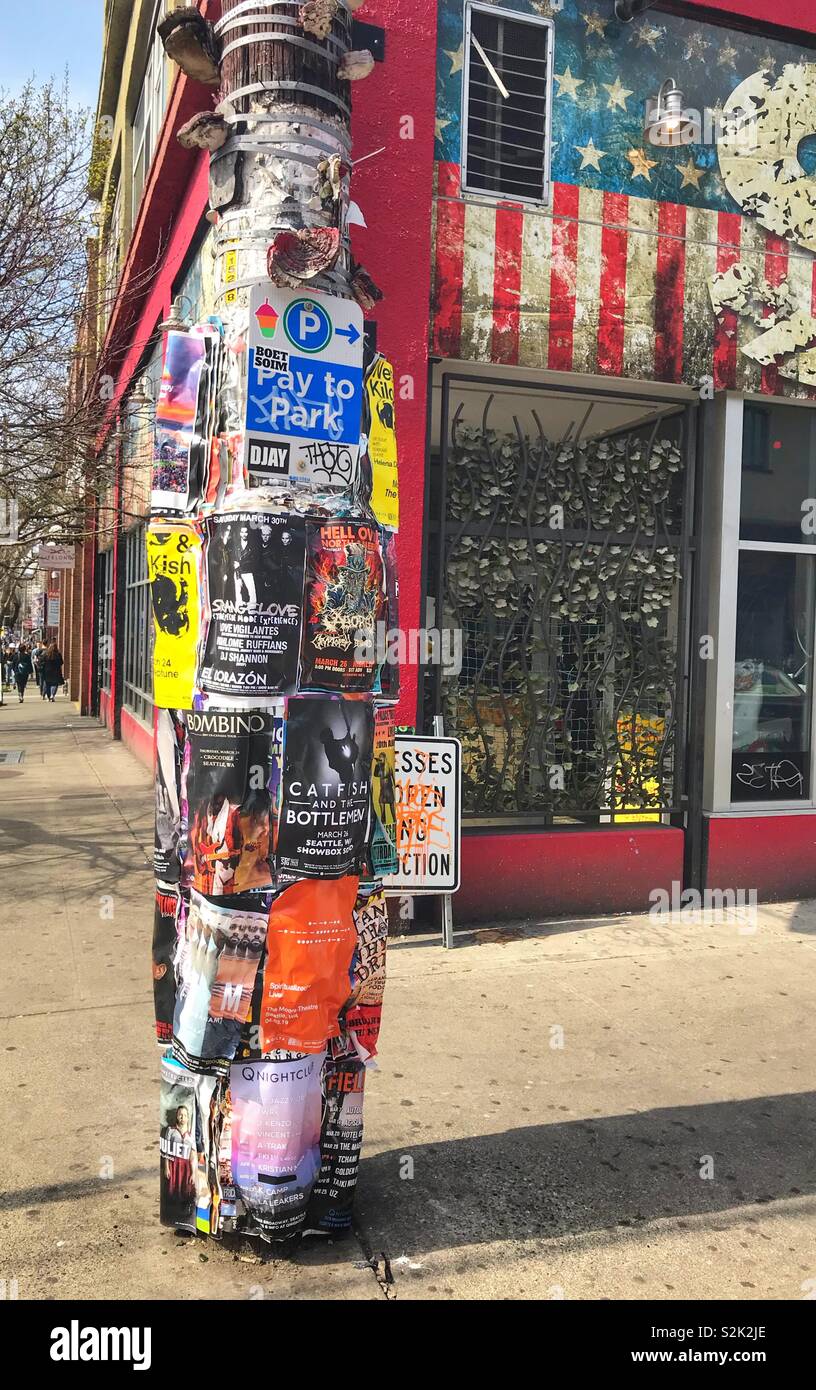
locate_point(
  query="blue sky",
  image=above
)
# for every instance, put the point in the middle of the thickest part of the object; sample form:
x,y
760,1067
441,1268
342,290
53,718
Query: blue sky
x,y
44,37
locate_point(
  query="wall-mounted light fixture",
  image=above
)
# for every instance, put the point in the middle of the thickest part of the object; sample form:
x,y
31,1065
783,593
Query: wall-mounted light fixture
x,y
666,120
625,10
175,321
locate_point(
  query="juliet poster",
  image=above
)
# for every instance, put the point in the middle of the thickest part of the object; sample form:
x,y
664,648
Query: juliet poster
x,y
345,600
173,557
327,754
255,565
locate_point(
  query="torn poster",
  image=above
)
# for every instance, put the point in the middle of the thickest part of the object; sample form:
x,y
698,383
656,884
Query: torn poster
x,y
255,567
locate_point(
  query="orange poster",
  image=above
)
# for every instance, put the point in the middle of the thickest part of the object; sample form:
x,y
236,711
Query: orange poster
x,y
310,945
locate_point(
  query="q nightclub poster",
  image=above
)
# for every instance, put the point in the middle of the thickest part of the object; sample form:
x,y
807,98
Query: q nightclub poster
x,y
232,794
327,754
255,566
276,1113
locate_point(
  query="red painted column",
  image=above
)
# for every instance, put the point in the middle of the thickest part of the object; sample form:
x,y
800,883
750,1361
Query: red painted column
x,y
395,108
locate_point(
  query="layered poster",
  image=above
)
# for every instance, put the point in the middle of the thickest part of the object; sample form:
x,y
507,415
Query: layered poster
x,y
387,685
171,736
255,567
382,442
327,753
309,949
383,846
345,600
232,788
178,446
218,960
178,1146
341,1138
363,1012
275,1140
173,555
164,949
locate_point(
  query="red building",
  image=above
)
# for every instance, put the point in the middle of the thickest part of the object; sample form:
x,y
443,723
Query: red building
x,y
604,344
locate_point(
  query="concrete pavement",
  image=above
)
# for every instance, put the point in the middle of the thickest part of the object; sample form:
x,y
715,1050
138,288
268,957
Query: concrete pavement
x,y
611,1109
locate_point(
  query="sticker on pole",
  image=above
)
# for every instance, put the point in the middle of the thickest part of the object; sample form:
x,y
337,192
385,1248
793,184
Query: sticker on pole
x,y
305,386
428,815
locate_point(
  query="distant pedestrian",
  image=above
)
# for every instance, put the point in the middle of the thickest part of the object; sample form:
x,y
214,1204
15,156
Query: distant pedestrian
x,y
52,671
23,670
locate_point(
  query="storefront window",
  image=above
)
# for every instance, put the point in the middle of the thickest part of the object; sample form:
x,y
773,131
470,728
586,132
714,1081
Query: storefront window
x,y
560,565
776,607
138,644
778,473
773,676
105,572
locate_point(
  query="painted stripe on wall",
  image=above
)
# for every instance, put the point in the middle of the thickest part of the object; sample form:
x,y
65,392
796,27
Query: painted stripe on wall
x,y
478,281
698,312
534,324
752,251
563,276
776,268
641,273
669,287
507,282
612,307
588,281
725,331
448,269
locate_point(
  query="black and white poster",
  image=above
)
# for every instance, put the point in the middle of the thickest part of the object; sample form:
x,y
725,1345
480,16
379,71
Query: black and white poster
x,y
255,564
327,756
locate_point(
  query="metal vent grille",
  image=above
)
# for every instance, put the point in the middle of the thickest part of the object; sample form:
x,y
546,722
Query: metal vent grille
x,y
506,134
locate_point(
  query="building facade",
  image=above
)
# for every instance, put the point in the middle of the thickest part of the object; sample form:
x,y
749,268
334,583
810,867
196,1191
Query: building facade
x,y
597,246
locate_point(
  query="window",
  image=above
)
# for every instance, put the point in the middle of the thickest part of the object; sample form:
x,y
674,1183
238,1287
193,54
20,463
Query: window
x,y
776,607
506,118
113,252
137,693
150,109
104,610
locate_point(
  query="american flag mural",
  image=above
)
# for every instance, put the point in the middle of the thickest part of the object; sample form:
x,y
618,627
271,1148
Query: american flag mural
x,y
613,277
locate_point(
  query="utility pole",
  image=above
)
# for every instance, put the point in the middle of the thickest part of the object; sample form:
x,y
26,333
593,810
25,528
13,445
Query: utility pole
x,y
293,534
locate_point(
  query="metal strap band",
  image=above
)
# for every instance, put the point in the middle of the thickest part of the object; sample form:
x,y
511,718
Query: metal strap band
x,y
278,37
340,134
287,87
248,6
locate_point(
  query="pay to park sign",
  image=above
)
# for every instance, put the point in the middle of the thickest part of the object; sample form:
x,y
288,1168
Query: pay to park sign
x,y
428,815
305,386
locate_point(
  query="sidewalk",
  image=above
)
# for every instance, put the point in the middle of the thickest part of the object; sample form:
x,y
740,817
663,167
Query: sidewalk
x,y
617,1109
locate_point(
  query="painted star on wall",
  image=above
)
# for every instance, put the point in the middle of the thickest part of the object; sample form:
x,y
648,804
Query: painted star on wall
x,y
457,58
646,34
690,174
567,84
727,55
595,25
617,94
696,46
641,165
440,126
590,156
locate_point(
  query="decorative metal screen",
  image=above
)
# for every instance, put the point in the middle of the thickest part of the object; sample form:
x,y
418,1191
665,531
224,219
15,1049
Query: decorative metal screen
x,y
559,558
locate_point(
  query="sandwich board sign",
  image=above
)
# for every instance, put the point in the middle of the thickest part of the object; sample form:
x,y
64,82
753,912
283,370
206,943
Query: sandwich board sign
x,y
304,387
428,774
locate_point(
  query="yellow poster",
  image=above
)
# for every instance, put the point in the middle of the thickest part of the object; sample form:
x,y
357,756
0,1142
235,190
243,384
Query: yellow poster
x,y
173,554
382,442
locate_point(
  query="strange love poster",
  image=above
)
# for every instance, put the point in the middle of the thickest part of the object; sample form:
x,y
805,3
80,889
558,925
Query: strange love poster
x,y
255,563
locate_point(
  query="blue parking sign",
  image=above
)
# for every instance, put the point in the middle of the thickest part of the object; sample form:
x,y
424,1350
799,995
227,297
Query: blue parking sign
x,y
304,386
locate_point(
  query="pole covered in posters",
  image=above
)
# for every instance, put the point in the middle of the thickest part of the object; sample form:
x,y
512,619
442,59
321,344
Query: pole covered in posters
x,y
272,568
